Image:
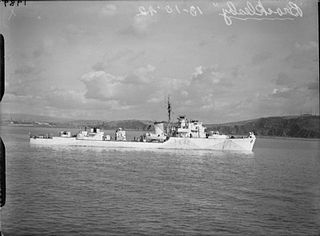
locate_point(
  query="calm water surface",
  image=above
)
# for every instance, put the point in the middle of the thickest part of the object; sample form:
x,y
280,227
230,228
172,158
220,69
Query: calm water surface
x,y
91,191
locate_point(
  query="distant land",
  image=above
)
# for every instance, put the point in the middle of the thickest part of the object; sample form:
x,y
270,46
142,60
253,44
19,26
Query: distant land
x,y
304,126
300,126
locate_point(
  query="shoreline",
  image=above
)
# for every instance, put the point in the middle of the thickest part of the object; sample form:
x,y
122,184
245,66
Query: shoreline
x,y
287,137
258,136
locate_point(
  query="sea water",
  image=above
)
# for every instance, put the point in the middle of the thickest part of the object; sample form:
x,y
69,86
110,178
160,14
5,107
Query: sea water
x,y
275,190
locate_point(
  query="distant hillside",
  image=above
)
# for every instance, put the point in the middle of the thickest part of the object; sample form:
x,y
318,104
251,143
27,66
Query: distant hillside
x,y
30,118
305,126
47,121
107,125
129,124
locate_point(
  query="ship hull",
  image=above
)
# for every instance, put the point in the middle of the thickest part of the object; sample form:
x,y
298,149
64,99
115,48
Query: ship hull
x,y
241,144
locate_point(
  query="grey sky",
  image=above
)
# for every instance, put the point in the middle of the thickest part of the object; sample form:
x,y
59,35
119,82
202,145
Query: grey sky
x,y
100,60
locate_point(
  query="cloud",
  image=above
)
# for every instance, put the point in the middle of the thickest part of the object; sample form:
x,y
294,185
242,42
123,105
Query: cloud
x,y
134,88
198,71
99,66
203,43
44,48
123,53
278,101
63,98
111,58
283,92
282,79
61,103
142,86
24,80
74,30
142,75
109,10
141,23
237,72
119,58
38,52
135,55
14,98
230,40
210,76
313,86
293,100
293,79
141,26
303,56
207,89
261,57
308,46
71,34
101,85
25,70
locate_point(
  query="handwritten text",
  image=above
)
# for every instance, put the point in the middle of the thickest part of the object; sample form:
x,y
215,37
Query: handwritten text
x,y
152,10
13,3
259,12
249,10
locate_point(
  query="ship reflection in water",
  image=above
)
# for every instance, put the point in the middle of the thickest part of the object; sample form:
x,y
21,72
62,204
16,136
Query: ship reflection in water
x,y
169,152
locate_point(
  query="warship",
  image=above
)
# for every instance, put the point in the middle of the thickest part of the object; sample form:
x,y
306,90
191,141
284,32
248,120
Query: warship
x,y
184,134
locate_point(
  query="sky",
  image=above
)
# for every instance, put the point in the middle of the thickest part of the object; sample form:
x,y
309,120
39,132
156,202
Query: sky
x,y
117,60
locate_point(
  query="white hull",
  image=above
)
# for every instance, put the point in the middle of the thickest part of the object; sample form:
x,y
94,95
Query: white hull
x,y
241,144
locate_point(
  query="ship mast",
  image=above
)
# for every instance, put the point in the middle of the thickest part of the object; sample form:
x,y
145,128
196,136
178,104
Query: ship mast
x,y
169,117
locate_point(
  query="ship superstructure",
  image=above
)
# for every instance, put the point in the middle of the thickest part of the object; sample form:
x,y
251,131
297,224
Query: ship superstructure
x,y
189,128
92,134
